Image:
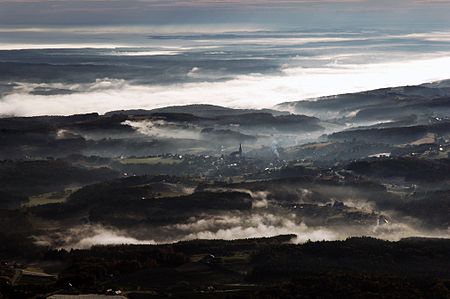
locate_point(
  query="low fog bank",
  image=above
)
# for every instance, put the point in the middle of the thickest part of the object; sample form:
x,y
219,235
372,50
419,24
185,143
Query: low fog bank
x,y
232,226
267,217
164,209
254,69
252,90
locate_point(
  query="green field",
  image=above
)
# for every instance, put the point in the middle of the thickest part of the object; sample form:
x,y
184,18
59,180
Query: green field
x,y
48,198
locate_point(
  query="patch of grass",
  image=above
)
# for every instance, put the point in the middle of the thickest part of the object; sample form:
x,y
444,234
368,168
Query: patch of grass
x,y
237,258
48,198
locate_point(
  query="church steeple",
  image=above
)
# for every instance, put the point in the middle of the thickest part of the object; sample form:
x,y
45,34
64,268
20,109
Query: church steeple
x,y
238,153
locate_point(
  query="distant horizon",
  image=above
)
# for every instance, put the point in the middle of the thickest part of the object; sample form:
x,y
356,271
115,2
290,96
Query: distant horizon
x,y
185,71
73,56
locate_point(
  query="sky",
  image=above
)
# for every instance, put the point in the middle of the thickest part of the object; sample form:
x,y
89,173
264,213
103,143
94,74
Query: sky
x,y
265,13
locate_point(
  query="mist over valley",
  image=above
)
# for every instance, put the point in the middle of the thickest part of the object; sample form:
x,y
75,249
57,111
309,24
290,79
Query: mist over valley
x,y
224,149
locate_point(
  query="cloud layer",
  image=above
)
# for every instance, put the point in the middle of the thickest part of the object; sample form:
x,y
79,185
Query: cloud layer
x,y
244,91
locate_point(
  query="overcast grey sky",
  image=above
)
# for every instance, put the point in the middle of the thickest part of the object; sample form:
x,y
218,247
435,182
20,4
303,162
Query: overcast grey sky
x,y
265,13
